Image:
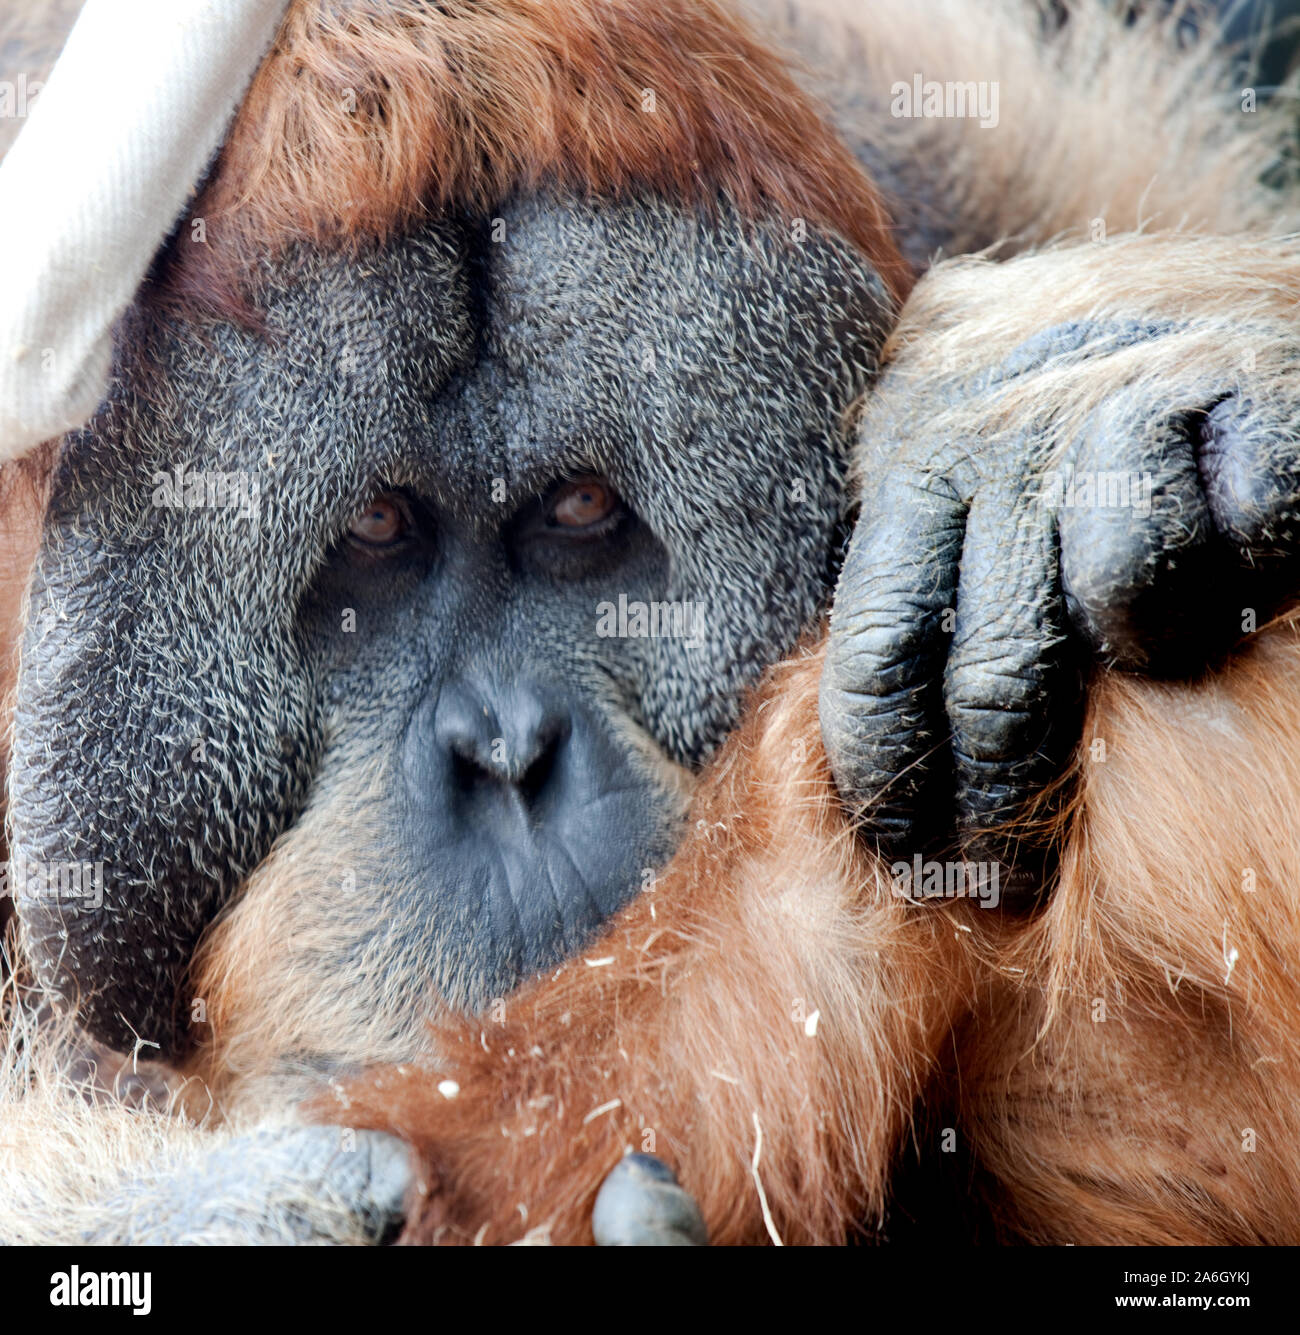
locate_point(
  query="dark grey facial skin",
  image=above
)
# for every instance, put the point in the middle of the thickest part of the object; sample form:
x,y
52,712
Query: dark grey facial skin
x,y
192,677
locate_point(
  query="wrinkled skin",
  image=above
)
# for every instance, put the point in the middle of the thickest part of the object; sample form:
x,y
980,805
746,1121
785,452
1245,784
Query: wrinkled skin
x,y
450,692
478,627
978,588
509,773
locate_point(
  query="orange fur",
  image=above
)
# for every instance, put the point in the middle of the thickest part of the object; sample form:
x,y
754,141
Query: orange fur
x,y
771,1019
685,1019
691,1011
368,116
1139,1081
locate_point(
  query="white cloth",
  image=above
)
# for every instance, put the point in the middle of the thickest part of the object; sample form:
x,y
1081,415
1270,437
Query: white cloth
x,y
131,114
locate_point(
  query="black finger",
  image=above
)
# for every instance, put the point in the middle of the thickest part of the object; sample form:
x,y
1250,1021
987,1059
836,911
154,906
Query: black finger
x,y
1250,465
881,689
1147,579
1012,688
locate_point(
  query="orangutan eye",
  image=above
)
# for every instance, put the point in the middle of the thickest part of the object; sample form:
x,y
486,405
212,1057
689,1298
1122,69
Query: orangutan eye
x,y
383,522
582,503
